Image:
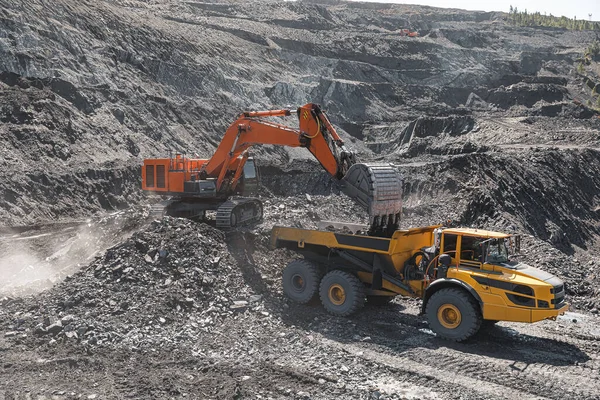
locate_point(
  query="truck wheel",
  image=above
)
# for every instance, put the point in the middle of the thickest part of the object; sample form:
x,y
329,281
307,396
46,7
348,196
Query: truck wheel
x,y
379,300
341,293
453,314
301,280
488,324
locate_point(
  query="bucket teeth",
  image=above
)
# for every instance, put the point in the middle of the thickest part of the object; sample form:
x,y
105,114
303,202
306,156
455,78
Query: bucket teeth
x,y
378,188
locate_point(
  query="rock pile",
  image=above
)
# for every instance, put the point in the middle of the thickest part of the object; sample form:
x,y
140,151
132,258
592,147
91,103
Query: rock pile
x,y
140,292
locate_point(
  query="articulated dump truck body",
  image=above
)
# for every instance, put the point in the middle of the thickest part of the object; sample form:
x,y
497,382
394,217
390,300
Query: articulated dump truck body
x,y
464,276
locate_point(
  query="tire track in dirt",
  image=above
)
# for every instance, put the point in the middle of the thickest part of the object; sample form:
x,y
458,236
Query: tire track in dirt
x,y
360,380
546,379
528,365
449,380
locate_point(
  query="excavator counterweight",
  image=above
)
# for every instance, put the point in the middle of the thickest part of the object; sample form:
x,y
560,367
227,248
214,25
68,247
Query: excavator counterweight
x,y
220,183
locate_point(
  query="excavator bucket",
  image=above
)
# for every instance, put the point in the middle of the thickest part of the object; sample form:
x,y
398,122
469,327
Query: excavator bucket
x,y
378,188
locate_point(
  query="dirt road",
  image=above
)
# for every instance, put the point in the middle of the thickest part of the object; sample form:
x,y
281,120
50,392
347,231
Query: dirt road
x,y
387,353
239,337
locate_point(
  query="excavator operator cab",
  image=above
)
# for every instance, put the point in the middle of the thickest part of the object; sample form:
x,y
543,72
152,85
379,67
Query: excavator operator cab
x,y
250,180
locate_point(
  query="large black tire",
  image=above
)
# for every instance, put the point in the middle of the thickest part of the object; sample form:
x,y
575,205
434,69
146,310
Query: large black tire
x,y
453,314
379,300
301,280
341,293
488,324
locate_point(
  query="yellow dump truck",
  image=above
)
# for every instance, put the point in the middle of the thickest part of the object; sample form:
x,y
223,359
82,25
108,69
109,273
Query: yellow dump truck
x,y
464,276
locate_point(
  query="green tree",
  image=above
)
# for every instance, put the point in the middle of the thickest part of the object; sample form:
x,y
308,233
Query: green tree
x,y
525,18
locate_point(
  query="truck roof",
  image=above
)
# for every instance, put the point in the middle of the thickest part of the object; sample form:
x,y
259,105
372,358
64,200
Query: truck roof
x,y
476,232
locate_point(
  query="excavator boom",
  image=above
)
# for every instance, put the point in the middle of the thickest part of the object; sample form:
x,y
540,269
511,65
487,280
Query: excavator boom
x,y
205,182
251,128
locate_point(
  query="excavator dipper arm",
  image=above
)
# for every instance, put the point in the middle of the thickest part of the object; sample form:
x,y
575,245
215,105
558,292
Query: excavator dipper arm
x,y
315,132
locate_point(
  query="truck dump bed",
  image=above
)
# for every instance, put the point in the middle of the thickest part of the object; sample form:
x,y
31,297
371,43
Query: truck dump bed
x,y
401,241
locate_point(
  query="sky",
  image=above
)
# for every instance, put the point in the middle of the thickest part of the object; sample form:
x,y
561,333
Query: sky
x,y
570,8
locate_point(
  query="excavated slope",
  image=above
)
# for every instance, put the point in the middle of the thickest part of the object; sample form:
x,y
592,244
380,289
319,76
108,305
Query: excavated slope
x,y
90,88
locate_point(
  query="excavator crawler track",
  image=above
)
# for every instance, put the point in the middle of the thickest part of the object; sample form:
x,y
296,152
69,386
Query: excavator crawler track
x,y
239,211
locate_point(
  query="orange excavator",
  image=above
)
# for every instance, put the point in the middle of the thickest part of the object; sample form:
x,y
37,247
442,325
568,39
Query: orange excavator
x,y
408,32
224,181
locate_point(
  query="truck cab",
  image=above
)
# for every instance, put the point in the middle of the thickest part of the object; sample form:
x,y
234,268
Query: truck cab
x,y
507,289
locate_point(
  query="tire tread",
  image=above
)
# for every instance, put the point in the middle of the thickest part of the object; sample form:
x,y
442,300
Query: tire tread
x,y
472,311
356,285
312,270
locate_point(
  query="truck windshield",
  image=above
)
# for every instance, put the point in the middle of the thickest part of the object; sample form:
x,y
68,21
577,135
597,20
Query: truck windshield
x,y
496,251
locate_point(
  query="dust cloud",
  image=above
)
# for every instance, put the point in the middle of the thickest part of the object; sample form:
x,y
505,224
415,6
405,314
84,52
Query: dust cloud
x,y
38,258
21,268
30,263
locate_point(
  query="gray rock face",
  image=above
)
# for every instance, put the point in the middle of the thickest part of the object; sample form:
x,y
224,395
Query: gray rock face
x,y
104,85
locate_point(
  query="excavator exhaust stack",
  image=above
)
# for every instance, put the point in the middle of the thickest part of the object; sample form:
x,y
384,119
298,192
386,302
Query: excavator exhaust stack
x,y
378,188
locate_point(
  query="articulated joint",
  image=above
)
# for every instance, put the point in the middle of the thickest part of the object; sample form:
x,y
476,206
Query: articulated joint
x,y
304,139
